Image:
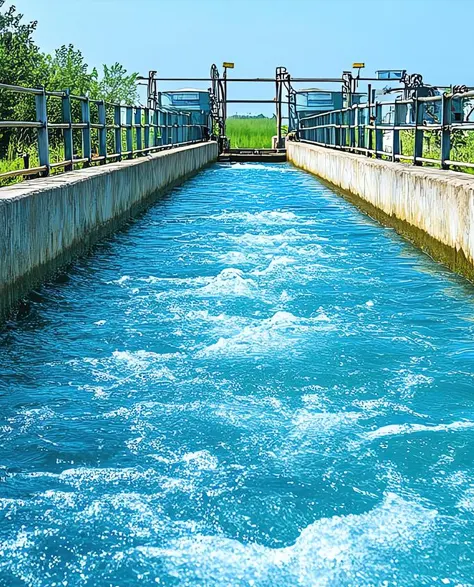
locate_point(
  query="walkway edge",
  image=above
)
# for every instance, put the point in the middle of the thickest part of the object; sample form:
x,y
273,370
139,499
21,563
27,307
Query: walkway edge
x,y
46,223
432,208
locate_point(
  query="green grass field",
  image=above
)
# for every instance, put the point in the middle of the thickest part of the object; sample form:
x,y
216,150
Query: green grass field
x,y
252,133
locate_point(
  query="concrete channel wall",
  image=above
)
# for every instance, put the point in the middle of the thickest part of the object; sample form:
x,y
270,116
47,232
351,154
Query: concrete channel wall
x,y
45,223
431,207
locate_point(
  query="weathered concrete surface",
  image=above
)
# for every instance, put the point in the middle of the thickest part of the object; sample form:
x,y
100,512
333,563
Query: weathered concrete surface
x,y
433,208
45,223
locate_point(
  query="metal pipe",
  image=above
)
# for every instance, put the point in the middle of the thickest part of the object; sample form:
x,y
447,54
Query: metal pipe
x,y
19,124
20,90
245,79
19,172
250,101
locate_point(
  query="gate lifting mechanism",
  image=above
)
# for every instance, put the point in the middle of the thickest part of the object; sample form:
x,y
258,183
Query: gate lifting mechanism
x,y
211,111
302,114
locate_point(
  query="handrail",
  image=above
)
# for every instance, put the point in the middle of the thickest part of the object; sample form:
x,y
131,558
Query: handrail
x,y
371,129
108,131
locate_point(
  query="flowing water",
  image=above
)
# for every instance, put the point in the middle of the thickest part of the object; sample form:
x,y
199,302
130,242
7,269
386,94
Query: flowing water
x,y
254,384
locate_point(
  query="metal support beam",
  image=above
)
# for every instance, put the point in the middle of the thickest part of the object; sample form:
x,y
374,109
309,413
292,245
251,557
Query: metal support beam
x,y
86,131
129,130
43,141
67,119
396,132
138,128
146,131
102,131
118,131
378,131
418,150
445,133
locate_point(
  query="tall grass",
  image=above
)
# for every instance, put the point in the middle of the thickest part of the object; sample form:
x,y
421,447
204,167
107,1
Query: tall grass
x,y
462,147
251,133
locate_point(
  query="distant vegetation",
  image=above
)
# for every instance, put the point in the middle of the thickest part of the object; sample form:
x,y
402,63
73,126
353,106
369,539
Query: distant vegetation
x,y
254,132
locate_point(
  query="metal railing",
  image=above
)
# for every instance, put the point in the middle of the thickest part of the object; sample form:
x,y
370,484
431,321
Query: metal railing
x,y
109,131
377,129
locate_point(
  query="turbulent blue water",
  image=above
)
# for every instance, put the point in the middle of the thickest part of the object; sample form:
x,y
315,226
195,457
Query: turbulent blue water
x,y
253,385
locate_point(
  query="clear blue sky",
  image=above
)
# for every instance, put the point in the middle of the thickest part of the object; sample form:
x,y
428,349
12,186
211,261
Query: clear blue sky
x,y
309,37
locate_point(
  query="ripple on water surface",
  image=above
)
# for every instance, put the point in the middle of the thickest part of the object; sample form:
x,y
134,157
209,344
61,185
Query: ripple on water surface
x,y
253,384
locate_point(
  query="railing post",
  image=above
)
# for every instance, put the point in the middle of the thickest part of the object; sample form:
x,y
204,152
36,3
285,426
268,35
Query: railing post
x,y
147,128
164,130
118,130
396,132
357,123
352,127
344,129
174,128
86,131
43,140
138,126
419,115
156,123
365,117
129,130
446,132
378,131
67,119
102,131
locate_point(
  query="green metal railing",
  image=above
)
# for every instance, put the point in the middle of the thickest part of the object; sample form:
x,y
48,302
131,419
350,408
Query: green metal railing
x,y
109,131
377,129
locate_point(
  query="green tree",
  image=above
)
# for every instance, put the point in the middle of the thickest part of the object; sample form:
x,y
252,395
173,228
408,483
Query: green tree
x,y
116,85
68,70
21,63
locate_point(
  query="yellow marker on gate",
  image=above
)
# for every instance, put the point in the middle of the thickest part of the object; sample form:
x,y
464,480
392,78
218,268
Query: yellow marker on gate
x,y
358,65
228,65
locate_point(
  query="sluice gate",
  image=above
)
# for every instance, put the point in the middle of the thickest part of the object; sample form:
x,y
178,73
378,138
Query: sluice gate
x,y
256,155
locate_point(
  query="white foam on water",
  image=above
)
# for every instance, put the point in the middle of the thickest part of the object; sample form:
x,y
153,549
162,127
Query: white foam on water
x,y
27,419
98,391
267,335
221,323
202,460
275,264
260,166
285,296
309,423
269,240
402,429
230,282
466,503
204,315
138,361
313,250
21,541
236,258
326,553
193,281
264,217
88,476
